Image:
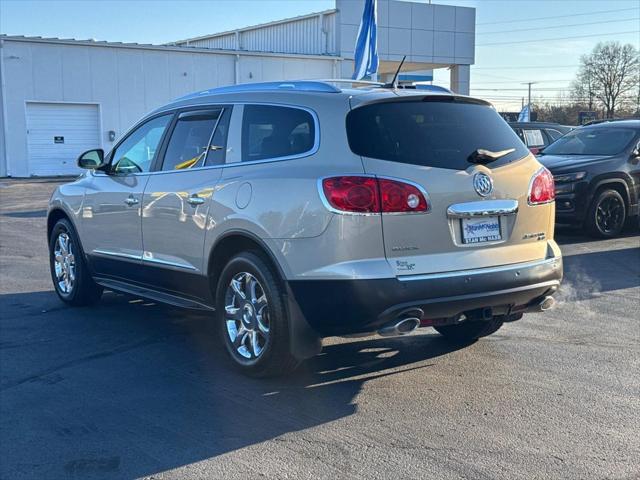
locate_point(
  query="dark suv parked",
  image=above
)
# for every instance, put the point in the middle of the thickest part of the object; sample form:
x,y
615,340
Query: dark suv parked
x,y
597,175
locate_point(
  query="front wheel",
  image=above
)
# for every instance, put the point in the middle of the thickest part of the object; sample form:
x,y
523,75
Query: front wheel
x,y
470,330
253,320
607,214
69,272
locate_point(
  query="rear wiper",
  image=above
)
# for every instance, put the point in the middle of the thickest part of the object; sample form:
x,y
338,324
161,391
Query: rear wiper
x,y
486,156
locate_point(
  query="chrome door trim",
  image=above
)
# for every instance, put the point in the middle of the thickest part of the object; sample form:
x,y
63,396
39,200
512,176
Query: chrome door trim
x,y
146,258
109,253
478,271
483,208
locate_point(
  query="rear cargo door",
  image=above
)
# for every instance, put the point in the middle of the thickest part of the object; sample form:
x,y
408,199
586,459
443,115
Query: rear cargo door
x,y
479,215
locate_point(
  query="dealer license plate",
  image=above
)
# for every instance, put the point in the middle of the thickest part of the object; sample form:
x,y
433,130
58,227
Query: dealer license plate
x,y
480,230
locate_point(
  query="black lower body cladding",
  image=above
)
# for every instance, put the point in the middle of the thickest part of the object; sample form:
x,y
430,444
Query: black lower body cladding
x,y
341,307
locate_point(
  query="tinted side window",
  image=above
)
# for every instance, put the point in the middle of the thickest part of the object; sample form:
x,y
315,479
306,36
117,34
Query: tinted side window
x,y
272,132
218,148
190,139
136,153
553,134
431,132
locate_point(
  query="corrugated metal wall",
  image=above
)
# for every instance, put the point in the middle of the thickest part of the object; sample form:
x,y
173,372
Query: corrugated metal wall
x,y
309,35
225,42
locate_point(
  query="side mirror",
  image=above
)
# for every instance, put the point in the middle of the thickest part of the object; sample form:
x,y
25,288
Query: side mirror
x,y
91,159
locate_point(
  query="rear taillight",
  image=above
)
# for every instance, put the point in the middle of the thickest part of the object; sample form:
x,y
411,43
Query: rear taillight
x,y
359,194
542,188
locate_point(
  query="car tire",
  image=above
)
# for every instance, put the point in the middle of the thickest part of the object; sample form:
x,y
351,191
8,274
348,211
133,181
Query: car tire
x,y
70,274
471,330
252,317
607,214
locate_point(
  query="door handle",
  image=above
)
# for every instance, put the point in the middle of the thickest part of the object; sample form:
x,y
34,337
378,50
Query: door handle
x,y
195,200
131,201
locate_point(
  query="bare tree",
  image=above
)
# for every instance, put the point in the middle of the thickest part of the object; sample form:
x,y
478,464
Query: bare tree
x,y
611,73
583,88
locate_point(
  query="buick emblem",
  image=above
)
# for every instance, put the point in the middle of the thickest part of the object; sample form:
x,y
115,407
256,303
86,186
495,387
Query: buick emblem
x,y
483,184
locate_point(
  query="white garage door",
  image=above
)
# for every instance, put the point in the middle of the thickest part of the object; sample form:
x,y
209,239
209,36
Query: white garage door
x,y
57,133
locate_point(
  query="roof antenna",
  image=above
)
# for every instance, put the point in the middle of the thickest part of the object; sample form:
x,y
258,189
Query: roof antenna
x,y
394,82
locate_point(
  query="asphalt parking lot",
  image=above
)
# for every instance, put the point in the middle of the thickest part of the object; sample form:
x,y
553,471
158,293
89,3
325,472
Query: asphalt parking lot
x,y
133,389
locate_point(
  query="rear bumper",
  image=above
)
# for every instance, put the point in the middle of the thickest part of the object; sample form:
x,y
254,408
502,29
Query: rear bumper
x,y
341,307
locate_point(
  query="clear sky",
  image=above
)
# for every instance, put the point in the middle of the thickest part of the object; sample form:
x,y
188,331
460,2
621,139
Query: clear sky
x,y
506,55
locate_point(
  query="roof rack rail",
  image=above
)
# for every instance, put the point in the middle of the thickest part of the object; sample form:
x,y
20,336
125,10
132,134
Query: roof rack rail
x,y
296,85
351,81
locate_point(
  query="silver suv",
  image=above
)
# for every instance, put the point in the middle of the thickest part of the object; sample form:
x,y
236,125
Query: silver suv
x,y
302,210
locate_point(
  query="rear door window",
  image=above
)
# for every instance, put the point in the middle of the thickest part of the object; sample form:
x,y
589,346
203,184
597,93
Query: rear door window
x,y
431,132
190,140
270,131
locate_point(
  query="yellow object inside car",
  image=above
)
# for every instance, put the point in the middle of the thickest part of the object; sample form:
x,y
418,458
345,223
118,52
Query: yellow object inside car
x,y
189,163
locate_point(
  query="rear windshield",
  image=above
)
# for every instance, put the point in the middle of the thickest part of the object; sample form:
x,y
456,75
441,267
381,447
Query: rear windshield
x,y
441,133
593,141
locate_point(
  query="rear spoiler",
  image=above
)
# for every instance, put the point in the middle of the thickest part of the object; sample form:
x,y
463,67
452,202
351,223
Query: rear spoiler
x,y
430,97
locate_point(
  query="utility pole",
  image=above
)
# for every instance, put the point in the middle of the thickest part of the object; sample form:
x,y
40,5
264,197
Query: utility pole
x,y
529,98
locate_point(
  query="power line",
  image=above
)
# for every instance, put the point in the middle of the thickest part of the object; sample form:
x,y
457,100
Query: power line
x,y
556,16
546,67
499,89
519,81
558,38
558,26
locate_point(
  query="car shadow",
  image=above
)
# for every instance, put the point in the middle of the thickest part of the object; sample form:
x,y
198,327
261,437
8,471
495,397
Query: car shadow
x,y
130,388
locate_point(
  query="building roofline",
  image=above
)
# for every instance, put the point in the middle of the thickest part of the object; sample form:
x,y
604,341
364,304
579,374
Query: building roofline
x,y
165,48
254,27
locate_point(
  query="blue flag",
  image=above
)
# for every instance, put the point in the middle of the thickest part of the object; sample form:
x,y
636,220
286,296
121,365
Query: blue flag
x,y
366,56
525,114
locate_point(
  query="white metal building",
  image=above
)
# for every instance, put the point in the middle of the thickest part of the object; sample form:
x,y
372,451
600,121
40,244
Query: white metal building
x,y
61,97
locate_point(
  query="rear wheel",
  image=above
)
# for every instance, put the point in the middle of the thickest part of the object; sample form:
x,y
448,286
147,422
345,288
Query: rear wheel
x,y
253,320
69,272
470,330
607,214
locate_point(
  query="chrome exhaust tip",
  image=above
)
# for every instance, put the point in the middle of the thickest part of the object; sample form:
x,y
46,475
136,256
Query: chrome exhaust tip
x,y
547,303
403,326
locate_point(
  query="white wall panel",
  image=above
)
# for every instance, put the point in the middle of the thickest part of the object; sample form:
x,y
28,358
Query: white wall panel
x,y
47,82
422,16
400,15
19,85
155,66
131,88
180,75
75,71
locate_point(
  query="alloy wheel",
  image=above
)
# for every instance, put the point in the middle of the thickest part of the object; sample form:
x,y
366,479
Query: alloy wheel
x,y
609,215
247,316
64,263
